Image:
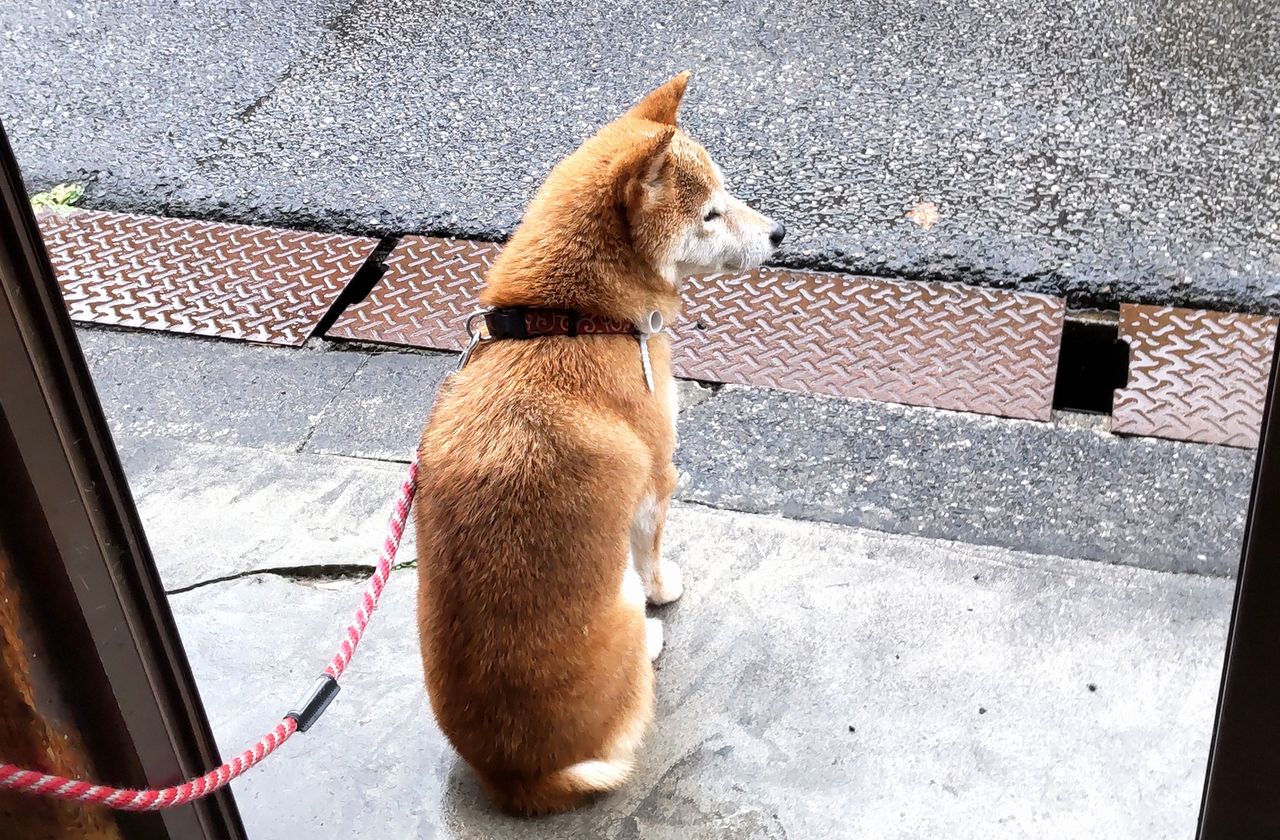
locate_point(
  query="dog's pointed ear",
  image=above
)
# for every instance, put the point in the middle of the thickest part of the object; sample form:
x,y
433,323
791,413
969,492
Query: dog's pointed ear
x,y
655,161
662,104
644,171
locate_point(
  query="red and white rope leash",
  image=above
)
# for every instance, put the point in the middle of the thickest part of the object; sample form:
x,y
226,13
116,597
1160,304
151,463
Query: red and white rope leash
x,y
125,799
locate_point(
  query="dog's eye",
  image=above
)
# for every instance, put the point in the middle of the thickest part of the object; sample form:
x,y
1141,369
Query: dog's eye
x,y
711,216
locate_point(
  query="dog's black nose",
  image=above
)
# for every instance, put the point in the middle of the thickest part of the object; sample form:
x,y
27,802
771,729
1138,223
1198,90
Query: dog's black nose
x,y
777,234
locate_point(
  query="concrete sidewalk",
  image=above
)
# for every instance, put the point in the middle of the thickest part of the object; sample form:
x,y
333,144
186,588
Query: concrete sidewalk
x,y
819,680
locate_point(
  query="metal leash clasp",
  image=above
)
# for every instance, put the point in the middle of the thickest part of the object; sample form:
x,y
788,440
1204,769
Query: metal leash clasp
x,y
475,336
652,326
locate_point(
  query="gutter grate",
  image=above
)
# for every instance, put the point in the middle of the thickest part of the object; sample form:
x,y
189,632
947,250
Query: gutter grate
x,y
928,344
1194,375
204,278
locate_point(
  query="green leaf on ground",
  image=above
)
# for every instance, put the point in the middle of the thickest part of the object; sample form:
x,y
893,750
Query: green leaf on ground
x,y
60,198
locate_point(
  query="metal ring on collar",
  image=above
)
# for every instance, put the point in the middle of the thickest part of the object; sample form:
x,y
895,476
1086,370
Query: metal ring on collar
x,y
471,319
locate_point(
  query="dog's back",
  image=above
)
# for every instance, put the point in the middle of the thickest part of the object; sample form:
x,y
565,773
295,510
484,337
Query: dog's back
x,y
527,491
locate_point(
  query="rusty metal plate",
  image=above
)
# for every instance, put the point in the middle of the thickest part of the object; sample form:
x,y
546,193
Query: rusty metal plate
x,y
430,287
928,344
232,281
1194,375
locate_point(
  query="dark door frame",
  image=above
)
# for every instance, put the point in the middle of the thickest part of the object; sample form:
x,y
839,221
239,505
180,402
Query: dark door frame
x,y
1242,786
93,595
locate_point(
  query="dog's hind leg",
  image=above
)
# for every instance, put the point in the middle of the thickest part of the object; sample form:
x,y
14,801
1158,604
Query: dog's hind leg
x,y
633,595
653,637
661,579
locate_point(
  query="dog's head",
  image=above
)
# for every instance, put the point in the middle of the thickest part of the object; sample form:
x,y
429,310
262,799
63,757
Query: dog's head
x,y
681,215
644,184
619,222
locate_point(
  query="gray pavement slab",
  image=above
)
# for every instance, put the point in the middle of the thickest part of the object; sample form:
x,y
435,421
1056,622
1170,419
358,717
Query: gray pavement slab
x,y
1105,150
381,411
1068,488
226,510
214,391
818,682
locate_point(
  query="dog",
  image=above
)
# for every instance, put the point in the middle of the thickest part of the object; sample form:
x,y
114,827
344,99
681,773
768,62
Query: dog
x,y
546,465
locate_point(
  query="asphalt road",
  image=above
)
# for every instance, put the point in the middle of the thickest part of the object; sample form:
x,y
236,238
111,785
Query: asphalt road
x,y
1104,149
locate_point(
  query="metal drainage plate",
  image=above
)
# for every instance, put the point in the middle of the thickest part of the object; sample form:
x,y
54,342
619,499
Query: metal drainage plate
x,y
928,344
232,281
1194,375
430,287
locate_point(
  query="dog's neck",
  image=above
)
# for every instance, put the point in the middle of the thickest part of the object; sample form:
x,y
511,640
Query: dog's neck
x,y
565,272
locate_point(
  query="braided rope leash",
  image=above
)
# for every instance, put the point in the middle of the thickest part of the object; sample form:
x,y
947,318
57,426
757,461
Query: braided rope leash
x,y
126,799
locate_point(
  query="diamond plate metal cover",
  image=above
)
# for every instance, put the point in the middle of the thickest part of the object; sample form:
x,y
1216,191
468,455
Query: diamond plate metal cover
x,y
1194,375
429,289
928,344
233,281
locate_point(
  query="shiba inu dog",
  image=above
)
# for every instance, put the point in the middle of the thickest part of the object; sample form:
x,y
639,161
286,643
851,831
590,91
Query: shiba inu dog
x,y
545,468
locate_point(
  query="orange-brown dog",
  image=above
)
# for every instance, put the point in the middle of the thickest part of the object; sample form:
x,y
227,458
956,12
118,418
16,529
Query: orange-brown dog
x,y
546,465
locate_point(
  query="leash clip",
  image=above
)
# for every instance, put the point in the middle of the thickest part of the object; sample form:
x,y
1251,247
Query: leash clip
x,y
474,335
652,326
314,704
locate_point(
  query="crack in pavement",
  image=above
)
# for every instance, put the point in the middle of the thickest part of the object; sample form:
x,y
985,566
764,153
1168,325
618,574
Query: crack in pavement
x,y
322,573
319,417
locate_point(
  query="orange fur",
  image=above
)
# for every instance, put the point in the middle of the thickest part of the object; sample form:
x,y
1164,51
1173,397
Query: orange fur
x,y
535,461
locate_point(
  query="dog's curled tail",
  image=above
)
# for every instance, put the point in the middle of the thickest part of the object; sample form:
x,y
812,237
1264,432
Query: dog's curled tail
x,y
564,789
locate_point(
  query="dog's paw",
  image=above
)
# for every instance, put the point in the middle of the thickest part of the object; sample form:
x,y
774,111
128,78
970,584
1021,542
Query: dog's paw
x,y
653,637
668,587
